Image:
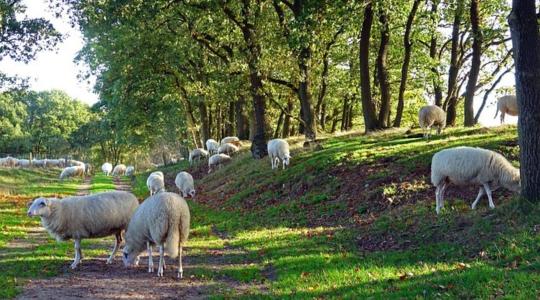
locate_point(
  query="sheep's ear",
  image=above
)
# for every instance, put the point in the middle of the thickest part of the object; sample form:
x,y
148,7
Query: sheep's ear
x,y
29,203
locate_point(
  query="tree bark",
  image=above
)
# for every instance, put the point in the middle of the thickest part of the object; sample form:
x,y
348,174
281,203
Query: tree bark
x,y
323,116
382,69
287,121
525,39
350,114
475,64
344,113
278,125
304,92
368,108
407,46
242,123
229,127
437,90
454,67
204,120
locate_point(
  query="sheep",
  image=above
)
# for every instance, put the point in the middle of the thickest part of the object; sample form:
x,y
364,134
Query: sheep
x,y
88,168
431,115
184,182
197,153
212,146
217,160
119,170
39,163
162,220
228,149
72,162
23,163
72,172
106,168
278,149
92,216
156,182
130,170
231,140
507,105
472,166
57,163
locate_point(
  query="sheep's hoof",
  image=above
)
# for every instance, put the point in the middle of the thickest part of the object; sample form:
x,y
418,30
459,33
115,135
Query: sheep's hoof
x,y
180,275
74,265
109,261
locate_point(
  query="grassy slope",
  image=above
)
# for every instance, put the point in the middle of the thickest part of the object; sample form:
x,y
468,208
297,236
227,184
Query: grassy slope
x,y
357,219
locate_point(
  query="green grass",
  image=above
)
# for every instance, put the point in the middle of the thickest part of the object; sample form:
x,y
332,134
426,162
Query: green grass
x,y
36,182
101,183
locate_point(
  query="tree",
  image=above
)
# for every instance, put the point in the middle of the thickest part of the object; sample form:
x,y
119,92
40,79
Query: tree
x,y
475,64
525,40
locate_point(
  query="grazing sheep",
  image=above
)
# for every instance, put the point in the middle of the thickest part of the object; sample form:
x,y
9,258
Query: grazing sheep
x,y
278,149
217,160
156,182
231,140
431,115
197,154
39,163
92,216
212,146
130,170
507,105
72,162
162,220
23,163
119,170
88,168
55,163
184,183
106,168
8,162
72,172
472,166
228,149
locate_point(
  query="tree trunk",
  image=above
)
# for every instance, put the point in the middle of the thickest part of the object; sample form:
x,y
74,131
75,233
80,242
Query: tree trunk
x,y
344,113
350,114
335,120
525,39
211,118
437,90
407,46
205,122
475,64
368,107
278,126
304,92
242,124
323,116
287,121
454,67
219,124
382,69
229,128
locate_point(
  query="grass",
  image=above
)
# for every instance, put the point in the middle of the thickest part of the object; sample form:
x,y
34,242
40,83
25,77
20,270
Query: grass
x,y
36,182
101,183
357,220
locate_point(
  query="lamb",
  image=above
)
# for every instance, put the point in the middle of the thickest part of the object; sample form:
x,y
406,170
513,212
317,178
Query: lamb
x,y
106,168
217,160
72,172
162,220
278,149
156,182
119,170
431,115
472,166
184,182
197,153
231,140
92,216
228,149
212,146
507,105
130,170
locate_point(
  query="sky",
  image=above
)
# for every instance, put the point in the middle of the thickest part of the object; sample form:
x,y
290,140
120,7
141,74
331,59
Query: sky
x,y
57,70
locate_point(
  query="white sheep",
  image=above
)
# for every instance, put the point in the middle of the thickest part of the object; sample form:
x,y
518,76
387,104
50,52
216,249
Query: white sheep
x,y
39,163
217,160
72,162
197,154
184,183
228,149
88,168
472,166
212,146
23,163
55,163
119,170
231,140
507,105
162,220
72,172
156,182
130,170
106,168
431,115
278,149
80,217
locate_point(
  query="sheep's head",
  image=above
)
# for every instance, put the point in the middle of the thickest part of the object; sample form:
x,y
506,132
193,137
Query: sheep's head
x,y
192,193
130,257
40,207
286,160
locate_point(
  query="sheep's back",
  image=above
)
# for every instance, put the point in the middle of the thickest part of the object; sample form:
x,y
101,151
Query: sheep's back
x,y
461,166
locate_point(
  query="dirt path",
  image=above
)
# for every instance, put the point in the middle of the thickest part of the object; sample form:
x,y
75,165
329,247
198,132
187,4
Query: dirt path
x,y
96,280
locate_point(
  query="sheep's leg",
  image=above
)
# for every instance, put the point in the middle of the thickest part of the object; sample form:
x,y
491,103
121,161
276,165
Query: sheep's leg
x,y
441,196
116,246
78,254
488,192
180,269
271,161
480,194
502,116
150,260
161,260
437,199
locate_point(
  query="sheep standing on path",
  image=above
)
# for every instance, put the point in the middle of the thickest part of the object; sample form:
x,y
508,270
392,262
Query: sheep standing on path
x,y
431,115
278,149
197,154
507,105
119,170
92,216
156,182
162,220
72,172
184,183
217,160
212,146
472,166
106,168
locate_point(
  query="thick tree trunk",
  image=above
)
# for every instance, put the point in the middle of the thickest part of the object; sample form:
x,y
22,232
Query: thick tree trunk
x,y
454,67
382,69
368,107
475,64
229,127
205,122
304,92
278,125
407,47
242,123
525,39
437,90
287,121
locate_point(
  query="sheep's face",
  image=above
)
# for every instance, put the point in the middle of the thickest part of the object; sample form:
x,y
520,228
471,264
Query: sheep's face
x,y
40,208
192,193
286,160
514,186
130,257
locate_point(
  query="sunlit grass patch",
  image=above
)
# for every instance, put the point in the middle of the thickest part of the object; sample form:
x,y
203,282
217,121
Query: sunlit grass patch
x,y
101,183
